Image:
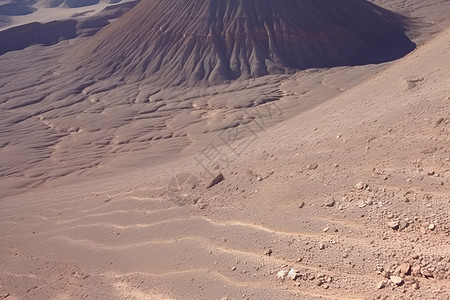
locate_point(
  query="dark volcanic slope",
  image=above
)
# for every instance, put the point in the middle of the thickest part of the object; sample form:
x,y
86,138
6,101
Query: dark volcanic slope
x,y
215,41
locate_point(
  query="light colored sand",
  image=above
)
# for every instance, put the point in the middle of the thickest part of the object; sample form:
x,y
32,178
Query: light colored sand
x,y
123,225
43,11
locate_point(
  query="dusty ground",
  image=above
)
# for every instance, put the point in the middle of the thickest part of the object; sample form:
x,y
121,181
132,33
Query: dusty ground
x,y
353,193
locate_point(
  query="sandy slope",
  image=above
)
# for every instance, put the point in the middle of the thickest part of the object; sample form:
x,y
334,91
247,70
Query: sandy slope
x,y
19,12
111,202
129,236
64,127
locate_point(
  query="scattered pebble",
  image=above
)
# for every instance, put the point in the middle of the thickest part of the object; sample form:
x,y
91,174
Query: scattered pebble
x,y
361,186
268,252
394,224
403,269
282,274
312,166
293,274
381,285
426,273
330,202
439,121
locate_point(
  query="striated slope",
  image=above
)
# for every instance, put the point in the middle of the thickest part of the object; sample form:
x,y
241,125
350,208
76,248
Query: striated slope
x,y
215,41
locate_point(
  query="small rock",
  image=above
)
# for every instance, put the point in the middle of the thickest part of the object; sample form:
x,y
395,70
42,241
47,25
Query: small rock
x,y
321,246
312,166
426,273
301,204
381,285
282,274
259,178
325,286
326,229
361,186
415,286
216,180
361,204
233,269
439,121
386,274
293,274
330,202
394,224
431,226
397,280
415,271
404,269
268,252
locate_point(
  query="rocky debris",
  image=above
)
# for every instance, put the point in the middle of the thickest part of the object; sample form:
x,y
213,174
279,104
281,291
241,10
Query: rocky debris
x,y
397,280
293,274
312,166
216,180
361,186
324,280
330,202
394,224
282,274
268,252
